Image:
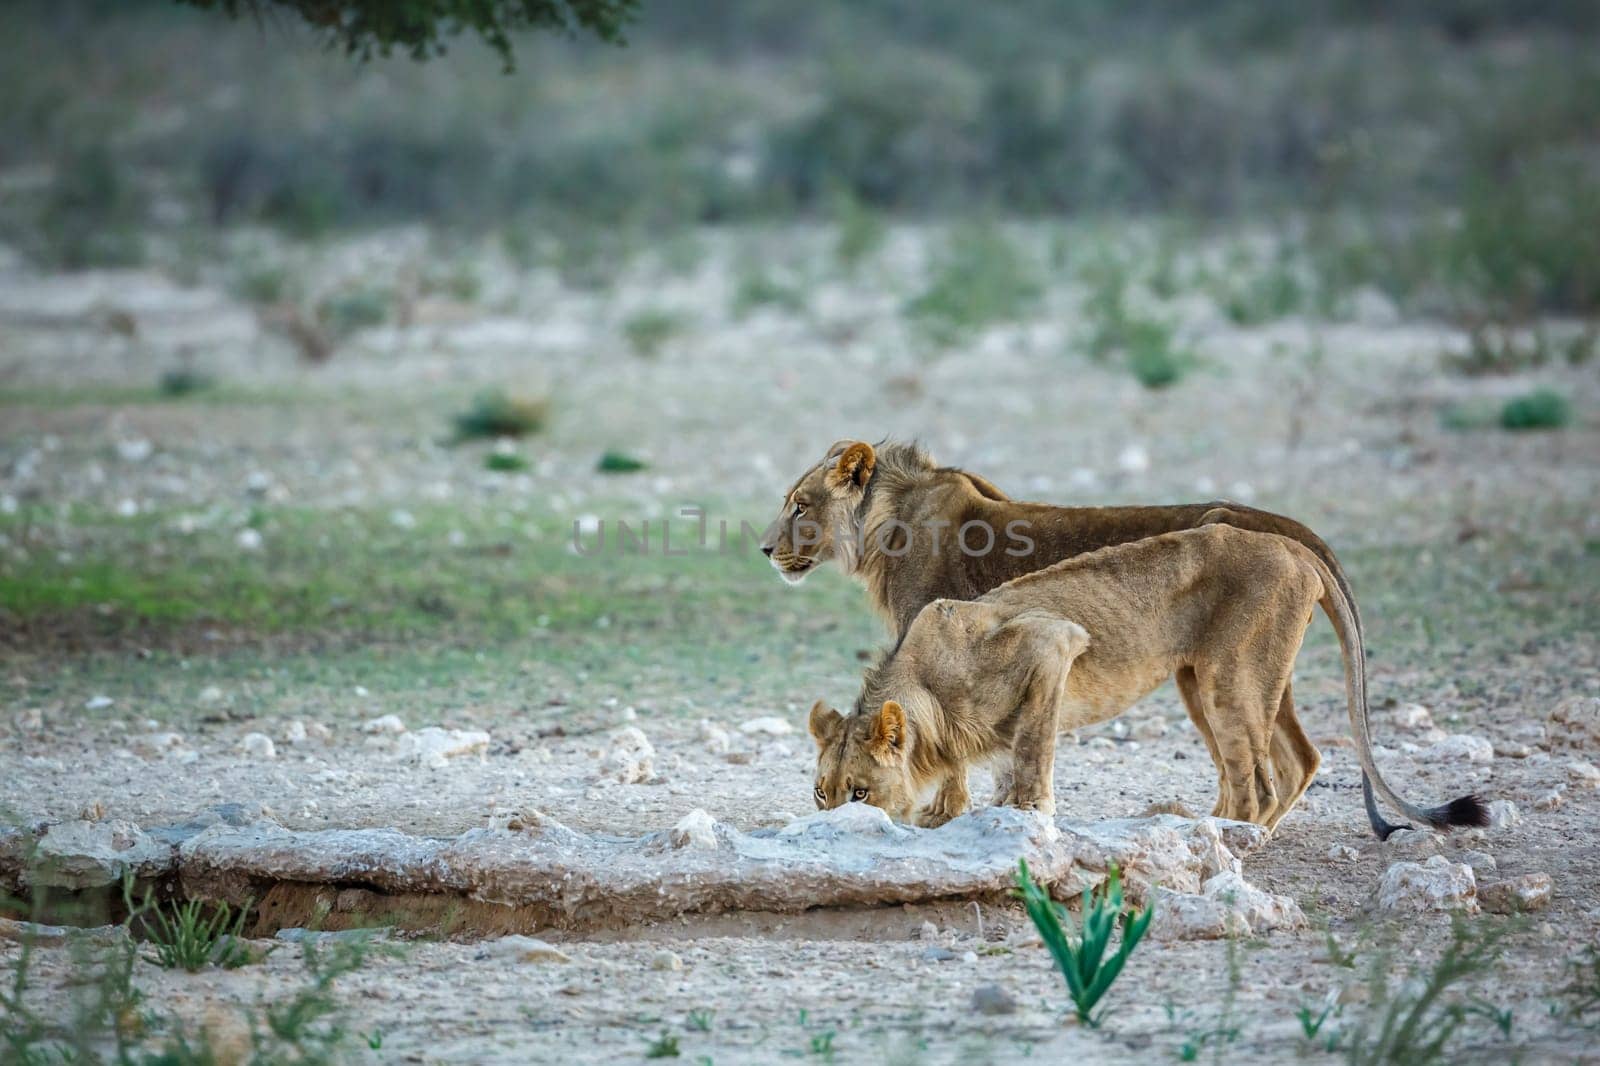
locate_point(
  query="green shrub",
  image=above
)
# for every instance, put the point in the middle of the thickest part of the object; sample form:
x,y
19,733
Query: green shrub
x,y
1151,355
1414,1022
860,229
498,414
186,939
1540,409
357,308
757,288
504,462
979,278
649,330
1080,955
619,463
93,212
1529,244
182,381
262,283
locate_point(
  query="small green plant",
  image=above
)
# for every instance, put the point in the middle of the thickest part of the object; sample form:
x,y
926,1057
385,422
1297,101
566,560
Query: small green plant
x,y
619,463
980,278
1540,409
822,1043
499,414
700,1019
504,462
860,229
649,331
1413,1023
1580,996
188,938
181,381
1152,357
1082,958
760,289
375,1039
664,1046
262,283
354,309
1311,1022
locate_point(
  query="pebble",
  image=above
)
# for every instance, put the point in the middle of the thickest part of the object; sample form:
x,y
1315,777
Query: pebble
x,y
1583,774
1519,895
771,725
937,954
1503,814
992,999
1462,747
258,746
249,540
715,738
1549,801
98,703
388,724
1482,862
1343,853
666,961
525,949
295,732
1435,885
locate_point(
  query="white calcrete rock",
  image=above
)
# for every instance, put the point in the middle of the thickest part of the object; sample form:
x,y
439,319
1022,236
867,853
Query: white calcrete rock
x,y
1530,892
1435,885
1575,723
1413,844
715,738
1503,814
384,725
1413,718
697,829
294,732
258,746
433,747
561,878
82,854
157,745
630,757
1584,775
1343,853
1549,801
525,949
1462,747
1227,905
770,725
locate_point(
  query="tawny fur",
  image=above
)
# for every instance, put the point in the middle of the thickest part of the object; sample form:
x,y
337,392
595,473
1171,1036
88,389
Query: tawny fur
x,y
882,530
1222,609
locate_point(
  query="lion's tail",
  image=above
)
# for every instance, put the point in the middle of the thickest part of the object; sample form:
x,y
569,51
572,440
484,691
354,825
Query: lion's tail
x,y
1465,810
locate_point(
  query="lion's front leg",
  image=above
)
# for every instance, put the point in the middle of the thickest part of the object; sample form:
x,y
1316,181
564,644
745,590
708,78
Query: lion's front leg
x,y
1003,785
949,802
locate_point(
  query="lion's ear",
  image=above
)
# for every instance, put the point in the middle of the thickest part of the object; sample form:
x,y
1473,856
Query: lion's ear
x,y
888,731
825,723
854,466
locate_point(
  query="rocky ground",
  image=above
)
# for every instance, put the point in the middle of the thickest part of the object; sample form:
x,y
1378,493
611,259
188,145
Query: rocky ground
x,y
291,593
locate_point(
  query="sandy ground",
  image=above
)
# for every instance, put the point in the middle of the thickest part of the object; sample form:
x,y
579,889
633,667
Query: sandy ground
x,y
1350,441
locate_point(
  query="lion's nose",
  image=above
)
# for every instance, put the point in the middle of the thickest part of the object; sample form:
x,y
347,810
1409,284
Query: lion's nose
x,y
766,549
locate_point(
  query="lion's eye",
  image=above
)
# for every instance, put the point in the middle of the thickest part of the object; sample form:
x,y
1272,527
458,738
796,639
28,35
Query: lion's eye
x,y
858,794
799,509
820,794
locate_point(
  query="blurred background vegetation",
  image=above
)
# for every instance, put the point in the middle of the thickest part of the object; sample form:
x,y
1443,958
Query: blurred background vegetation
x,y
1447,153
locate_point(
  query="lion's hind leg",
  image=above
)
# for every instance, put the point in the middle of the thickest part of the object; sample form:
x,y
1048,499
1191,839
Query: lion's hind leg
x,y
1295,759
1189,689
1236,701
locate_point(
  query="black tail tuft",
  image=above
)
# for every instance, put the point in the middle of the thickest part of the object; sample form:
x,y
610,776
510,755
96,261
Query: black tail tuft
x,y
1380,826
1468,810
